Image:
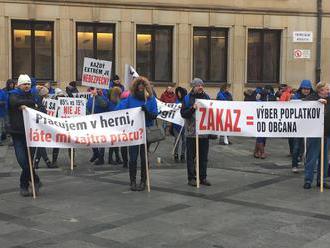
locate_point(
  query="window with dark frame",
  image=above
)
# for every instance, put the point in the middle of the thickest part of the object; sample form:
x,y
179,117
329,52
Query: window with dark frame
x,y
263,61
94,40
210,54
154,48
33,49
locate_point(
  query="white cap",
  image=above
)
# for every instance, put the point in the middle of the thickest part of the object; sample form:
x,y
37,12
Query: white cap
x,y
59,92
23,79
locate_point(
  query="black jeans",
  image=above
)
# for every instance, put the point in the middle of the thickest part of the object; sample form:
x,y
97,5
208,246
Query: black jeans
x,y
124,154
56,151
297,150
191,155
99,153
23,160
41,153
133,156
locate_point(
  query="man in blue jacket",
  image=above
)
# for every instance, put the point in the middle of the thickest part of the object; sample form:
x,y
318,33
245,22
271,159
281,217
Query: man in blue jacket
x,y
188,113
100,106
141,96
18,98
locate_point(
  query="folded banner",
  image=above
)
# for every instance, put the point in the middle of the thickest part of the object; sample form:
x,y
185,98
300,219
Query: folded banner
x,y
111,129
260,119
170,112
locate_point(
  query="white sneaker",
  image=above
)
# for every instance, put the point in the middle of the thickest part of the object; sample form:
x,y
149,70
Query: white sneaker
x,y
295,170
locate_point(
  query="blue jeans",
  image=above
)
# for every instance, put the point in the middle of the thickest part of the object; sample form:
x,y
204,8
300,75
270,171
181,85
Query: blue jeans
x,y
297,150
133,156
313,157
23,160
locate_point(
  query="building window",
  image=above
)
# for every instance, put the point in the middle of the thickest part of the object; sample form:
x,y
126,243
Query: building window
x,y
263,63
32,49
154,52
95,40
210,54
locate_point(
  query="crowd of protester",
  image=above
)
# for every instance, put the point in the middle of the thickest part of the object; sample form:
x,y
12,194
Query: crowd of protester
x,y
26,92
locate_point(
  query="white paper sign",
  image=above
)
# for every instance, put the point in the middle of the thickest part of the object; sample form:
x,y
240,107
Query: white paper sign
x,y
170,112
85,95
301,54
302,36
71,107
110,129
51,106
96,73
260,119
130,74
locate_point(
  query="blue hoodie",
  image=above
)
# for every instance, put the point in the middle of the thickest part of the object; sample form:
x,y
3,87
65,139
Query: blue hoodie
x,y
100,105
224,96
3,103
133,102
305,84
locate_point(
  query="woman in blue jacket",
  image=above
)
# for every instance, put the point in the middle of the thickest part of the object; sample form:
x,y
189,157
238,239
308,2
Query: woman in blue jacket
x,y
141,96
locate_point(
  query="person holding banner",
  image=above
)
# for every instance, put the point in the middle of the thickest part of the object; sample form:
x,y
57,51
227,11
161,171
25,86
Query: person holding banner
x,y
188,113
313,151
97,104
115,82
141,96
114,99
18,99
297,149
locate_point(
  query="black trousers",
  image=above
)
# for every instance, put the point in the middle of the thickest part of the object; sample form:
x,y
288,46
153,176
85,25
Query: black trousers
x,y
133,156
191,156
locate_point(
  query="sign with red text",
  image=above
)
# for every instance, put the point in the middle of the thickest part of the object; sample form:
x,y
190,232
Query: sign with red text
x,y
110,129
71,107
170,112
96,73
51,106
260,119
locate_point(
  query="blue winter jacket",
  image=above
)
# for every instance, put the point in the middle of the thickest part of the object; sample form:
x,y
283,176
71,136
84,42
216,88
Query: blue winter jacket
x,y
133,102
100,105
3,103
224,96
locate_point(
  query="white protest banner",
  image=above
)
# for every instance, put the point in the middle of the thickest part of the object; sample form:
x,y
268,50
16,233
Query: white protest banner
x,y
170,112
130,74
110,129
260,119
71,107
96,73
85,95
51,106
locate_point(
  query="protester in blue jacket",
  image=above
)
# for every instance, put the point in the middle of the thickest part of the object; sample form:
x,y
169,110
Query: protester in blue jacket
x,y
224,95
114,100
3,113
188,112
18,99
141,96
100,106
297,144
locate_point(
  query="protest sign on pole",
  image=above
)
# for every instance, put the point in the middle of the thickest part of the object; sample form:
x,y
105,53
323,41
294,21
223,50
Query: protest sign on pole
x,y
110,129
85,95
71,107
130,74
293,119
96,73
170,112
51,106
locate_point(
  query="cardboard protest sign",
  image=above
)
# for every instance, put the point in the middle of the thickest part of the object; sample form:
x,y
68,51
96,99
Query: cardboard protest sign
x,y
170,112
130,74
51,106
260,119
96,73
110,129
85,95
71,107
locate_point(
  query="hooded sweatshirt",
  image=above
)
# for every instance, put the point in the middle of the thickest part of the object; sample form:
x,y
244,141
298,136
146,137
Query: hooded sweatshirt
x,y
305,84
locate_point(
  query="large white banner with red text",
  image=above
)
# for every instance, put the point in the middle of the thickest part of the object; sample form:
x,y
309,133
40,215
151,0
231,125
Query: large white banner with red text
x,y
111,129
260,119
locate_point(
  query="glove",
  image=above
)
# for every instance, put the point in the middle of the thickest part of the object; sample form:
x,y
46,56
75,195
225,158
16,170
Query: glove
x,y
144,108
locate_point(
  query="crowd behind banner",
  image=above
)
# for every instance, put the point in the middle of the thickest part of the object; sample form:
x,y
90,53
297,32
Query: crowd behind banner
x,y
176,107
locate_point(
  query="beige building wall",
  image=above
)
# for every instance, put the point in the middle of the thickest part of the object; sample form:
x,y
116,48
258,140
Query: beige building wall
x,y
236,15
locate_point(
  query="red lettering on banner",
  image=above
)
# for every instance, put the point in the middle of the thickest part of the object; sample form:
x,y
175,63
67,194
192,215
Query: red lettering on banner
x,y
228,122
210,123
238,115
219,126
39,136
201,126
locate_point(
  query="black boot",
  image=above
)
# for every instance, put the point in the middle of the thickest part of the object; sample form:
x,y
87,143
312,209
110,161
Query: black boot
x,y
142,185
36,164
125,164
54,158
133,185
93,158
99,161
110,160
118,160
50,165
